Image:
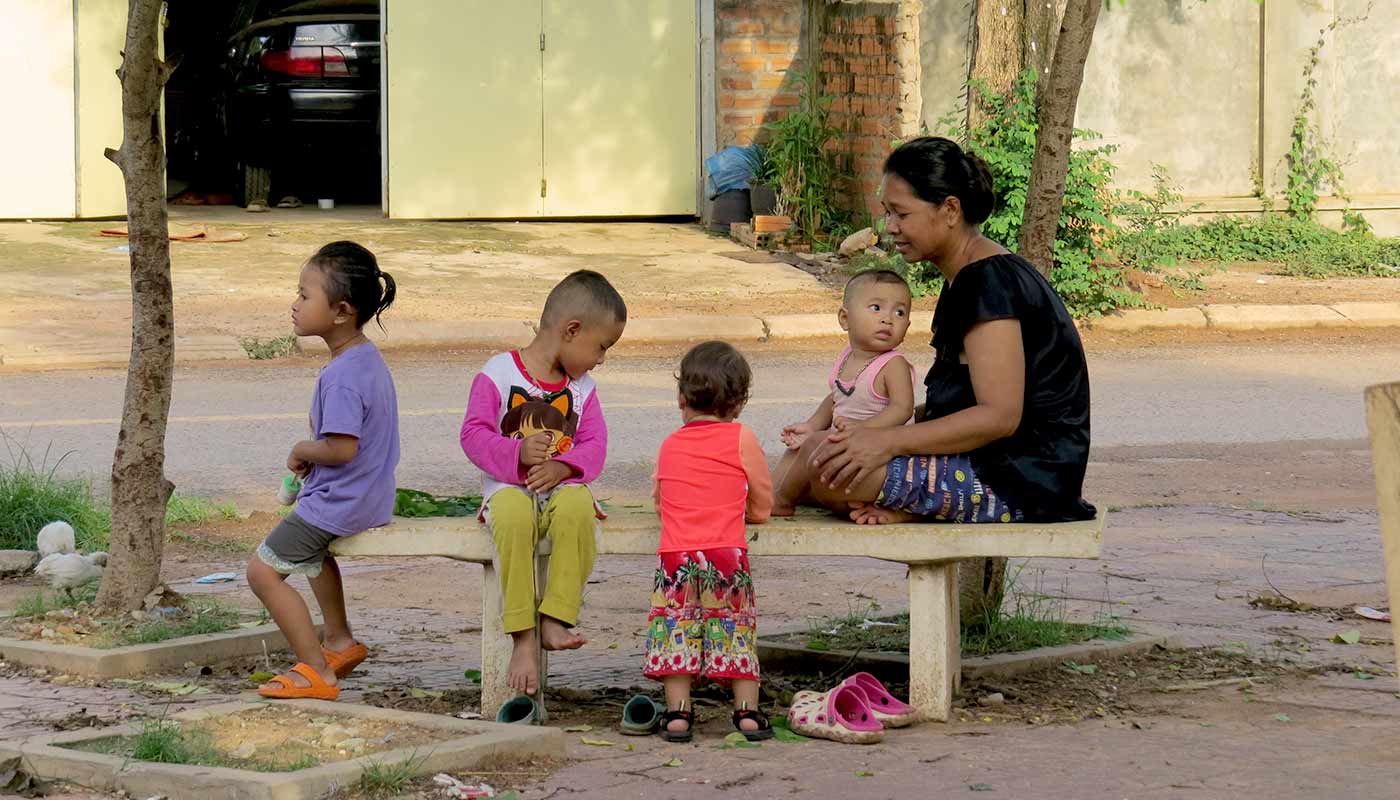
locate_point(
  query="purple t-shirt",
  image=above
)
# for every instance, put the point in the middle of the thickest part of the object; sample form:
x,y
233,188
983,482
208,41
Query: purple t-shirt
x,y
354,397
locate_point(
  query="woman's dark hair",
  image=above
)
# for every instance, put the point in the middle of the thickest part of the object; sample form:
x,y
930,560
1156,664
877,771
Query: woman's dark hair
x,y
714,379
353,276
938,168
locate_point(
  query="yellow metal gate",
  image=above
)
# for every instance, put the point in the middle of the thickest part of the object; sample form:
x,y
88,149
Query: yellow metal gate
x,y
543,108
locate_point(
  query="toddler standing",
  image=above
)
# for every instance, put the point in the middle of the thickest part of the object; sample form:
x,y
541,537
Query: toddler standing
x,y
711,478
535,429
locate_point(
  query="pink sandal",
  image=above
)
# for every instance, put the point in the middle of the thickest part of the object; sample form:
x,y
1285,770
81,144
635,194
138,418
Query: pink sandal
x,y
841,715
888,709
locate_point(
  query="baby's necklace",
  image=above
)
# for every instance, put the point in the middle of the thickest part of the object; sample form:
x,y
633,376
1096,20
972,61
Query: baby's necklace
x,y
855,378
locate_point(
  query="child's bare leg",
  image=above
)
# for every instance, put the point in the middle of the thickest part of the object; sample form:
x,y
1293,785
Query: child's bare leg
x,y
677,698
523,674
746,696
290,613
789,483
330,596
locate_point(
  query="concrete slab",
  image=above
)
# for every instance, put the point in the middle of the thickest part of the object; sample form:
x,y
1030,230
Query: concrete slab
x,y
1263,318
466,745
80,353
142,659
1370,315
408,335
687,329
802,326
1140,319
773,654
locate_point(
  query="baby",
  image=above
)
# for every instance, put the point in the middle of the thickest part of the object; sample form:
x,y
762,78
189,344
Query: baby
x,y
871,384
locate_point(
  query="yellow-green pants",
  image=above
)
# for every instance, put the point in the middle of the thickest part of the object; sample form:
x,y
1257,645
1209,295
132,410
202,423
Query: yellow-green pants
x,y
568,518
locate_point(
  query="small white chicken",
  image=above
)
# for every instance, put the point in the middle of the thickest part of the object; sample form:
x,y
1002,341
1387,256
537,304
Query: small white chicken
x,y
56,537
68,571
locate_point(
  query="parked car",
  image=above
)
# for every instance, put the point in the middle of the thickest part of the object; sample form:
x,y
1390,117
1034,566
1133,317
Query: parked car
x,y
302,90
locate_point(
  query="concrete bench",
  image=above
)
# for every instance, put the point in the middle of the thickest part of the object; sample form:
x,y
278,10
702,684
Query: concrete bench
x,y
930,550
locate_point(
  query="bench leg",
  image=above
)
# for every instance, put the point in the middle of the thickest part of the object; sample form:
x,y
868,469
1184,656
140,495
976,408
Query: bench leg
x,y
495,645
542,551
935,668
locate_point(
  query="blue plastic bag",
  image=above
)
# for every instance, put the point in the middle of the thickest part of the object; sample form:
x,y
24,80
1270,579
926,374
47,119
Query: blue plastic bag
x,y
729,169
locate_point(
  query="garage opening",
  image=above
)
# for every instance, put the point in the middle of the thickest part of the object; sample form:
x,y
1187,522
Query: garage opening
x,y
275,102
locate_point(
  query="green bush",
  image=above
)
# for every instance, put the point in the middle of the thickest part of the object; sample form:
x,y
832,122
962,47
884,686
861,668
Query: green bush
x,y
32,495
1083,275
797,163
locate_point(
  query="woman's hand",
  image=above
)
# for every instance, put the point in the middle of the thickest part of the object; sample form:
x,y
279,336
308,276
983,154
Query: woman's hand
x,y
849,456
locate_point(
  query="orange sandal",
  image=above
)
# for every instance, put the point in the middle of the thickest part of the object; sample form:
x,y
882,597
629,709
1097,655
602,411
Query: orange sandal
x,y
343,662
318,690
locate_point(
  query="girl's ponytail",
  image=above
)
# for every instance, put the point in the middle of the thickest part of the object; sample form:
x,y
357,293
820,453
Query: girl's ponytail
x,y
391,291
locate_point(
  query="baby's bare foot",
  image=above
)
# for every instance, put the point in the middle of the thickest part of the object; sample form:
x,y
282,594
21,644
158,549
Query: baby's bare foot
x,y
554,636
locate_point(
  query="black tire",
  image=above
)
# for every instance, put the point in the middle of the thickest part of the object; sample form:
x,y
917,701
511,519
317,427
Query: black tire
x,y
254,184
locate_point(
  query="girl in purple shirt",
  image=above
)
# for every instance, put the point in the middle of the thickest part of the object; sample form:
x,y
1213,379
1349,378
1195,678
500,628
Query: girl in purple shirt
x,y
347,468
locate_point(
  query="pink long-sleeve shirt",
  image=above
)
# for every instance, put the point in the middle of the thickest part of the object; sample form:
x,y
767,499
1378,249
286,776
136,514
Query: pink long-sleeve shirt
x,y
507,404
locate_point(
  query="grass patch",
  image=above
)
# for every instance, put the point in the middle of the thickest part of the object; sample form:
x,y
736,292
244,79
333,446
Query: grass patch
x,y
263,349
190,510
32,495
164,742
1027,620
40,602
204,615
387,780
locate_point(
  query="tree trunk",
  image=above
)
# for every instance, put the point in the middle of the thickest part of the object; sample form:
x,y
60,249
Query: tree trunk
x,y
140,490
998,36
1056,99
1042,29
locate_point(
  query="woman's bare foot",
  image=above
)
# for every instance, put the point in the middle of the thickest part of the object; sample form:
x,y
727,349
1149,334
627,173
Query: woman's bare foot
x,y
554,636
523,674
871,514
782,508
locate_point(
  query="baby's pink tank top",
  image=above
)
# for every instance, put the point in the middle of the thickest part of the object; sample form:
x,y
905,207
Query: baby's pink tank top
x,y
858,400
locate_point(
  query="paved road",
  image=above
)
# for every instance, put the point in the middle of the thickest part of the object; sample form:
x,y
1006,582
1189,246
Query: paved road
x,y
232,426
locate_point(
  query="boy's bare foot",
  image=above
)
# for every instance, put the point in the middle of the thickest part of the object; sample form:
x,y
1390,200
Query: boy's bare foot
x,y
523,674
871,514
554,636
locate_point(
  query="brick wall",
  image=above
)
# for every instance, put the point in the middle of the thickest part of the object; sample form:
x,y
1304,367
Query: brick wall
x,y
869,67
756,43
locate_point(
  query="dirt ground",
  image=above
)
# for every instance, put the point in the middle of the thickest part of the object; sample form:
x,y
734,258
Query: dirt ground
x,y
452,271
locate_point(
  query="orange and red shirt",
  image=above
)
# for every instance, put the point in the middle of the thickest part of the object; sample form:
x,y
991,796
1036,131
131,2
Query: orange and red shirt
x,y
711,477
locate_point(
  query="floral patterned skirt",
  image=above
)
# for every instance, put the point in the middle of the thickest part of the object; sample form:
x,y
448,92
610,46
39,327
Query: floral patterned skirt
x,y
702,619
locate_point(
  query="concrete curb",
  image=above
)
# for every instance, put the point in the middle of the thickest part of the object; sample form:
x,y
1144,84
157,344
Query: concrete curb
x,y
141,659
67,354
468,744
895,666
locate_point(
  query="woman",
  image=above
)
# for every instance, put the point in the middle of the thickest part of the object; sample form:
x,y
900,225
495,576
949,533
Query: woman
x,y
1003,435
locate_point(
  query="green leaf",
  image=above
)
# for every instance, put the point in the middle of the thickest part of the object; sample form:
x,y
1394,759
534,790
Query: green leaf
x,y
1082,669
422,694
473,675
597,742
675,762
736,741
786,735
860,773
1283,718
1347,637
261,677
980,787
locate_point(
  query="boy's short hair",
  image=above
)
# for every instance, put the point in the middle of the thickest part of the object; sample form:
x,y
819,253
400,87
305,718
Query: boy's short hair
x,y
715,379
872,276
583,295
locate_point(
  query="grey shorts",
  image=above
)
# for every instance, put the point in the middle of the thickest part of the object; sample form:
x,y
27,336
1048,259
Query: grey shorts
x,y
296,547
